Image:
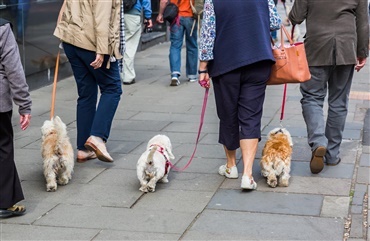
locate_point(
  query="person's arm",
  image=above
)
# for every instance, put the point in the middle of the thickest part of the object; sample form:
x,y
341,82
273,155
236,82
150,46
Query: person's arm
x,y
207,40
162,6
11,61
299,12
147,9
362,30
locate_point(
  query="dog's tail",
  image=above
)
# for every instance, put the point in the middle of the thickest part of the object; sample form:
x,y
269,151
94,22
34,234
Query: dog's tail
x,y
149,159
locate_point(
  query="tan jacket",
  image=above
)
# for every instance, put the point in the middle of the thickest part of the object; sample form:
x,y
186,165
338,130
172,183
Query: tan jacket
x,y
91,24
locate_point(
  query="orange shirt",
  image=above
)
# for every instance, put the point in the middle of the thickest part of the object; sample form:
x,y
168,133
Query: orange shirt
x,y
184,7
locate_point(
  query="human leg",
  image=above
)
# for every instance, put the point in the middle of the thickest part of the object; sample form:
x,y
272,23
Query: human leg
x,y
313,96
87,92
250,108
339,88
132,35
10,186
176,38
191,48
226,105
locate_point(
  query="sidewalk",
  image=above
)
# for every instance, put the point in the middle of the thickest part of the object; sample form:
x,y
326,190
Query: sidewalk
x,y
103,201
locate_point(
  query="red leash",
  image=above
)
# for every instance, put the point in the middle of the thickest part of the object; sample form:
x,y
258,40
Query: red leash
x,y
199,131
283,104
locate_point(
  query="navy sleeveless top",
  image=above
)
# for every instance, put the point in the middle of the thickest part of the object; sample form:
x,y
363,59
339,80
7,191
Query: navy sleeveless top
x,y
242,35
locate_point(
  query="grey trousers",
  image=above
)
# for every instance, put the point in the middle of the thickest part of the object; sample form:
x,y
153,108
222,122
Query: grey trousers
x,y
336,81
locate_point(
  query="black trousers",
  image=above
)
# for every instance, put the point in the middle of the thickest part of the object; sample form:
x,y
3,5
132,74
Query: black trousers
x,y
239,96
10,186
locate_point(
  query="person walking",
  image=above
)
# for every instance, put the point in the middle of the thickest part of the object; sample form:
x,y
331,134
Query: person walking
x,y
183,25
13,87
333,53
133,28
236,53
90,33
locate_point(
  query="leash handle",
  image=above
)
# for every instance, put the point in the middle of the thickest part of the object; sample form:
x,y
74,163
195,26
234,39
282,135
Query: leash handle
x,y
54,86
199,131
283,104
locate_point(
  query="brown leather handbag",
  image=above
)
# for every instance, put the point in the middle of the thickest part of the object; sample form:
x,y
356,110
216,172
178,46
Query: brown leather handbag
x,y
291,63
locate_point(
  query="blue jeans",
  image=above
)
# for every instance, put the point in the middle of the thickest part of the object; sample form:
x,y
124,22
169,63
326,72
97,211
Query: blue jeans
x,y
336,80
176,38
94,119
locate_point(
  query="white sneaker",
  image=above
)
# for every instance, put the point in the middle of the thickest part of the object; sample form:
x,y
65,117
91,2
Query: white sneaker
x,y
192,80
248,183
229,172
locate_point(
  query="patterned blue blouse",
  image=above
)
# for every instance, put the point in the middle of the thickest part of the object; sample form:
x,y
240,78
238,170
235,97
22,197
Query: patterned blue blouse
x,y
208,31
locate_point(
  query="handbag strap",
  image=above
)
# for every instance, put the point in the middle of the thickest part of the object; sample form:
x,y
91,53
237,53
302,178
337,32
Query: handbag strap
x,y
54,86
283,29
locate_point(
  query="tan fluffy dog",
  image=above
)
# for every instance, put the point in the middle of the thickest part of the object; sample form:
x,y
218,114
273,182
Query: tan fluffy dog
x,y
57,152
276,157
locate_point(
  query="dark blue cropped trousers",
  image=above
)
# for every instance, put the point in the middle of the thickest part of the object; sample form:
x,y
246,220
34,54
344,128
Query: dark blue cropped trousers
x,y
239,98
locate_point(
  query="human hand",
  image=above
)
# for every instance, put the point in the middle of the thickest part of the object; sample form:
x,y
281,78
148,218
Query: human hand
x,y
150,23
204,80
160,18
360,63
97,63
25,120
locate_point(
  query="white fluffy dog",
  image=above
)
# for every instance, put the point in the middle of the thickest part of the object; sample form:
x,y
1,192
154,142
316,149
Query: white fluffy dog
x,y
153,164
57,152
276,157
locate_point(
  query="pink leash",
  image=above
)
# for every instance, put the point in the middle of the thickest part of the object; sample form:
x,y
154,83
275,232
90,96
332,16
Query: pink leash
x,y
283,104
199,131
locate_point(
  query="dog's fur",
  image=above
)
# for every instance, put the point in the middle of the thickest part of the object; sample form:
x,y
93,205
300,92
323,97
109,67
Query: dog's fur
x,y
276,157
151,166
57,153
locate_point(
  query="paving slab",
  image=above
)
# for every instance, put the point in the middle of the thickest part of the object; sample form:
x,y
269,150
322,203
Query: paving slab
x,y
363,175
96,217
308,185
335,207
33,232
283,203
231,225
175,200
126,235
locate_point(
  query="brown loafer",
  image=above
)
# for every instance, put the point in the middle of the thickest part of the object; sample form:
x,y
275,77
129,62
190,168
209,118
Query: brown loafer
x,y
84,156
317,160
97,145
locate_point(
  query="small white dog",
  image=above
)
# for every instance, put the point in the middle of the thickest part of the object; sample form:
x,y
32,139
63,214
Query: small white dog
x,y
276,157
153,164
57,152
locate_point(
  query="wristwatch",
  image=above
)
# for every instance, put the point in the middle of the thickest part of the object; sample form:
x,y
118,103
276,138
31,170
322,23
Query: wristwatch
x,y
202,71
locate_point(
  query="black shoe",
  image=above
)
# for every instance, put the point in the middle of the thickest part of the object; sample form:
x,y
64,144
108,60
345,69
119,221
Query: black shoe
x,y
317,160
334,163
129,83
16,210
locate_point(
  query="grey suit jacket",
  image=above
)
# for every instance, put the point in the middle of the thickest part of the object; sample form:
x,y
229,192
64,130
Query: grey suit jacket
x,y
337,30
13,86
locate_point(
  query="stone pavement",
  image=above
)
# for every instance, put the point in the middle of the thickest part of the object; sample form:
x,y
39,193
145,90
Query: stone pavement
x,y
103,201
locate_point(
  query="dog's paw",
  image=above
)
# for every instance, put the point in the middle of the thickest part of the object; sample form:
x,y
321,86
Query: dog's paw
x,y
272,182
284,183
151,188
51,187
143,188
63,181
164,180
